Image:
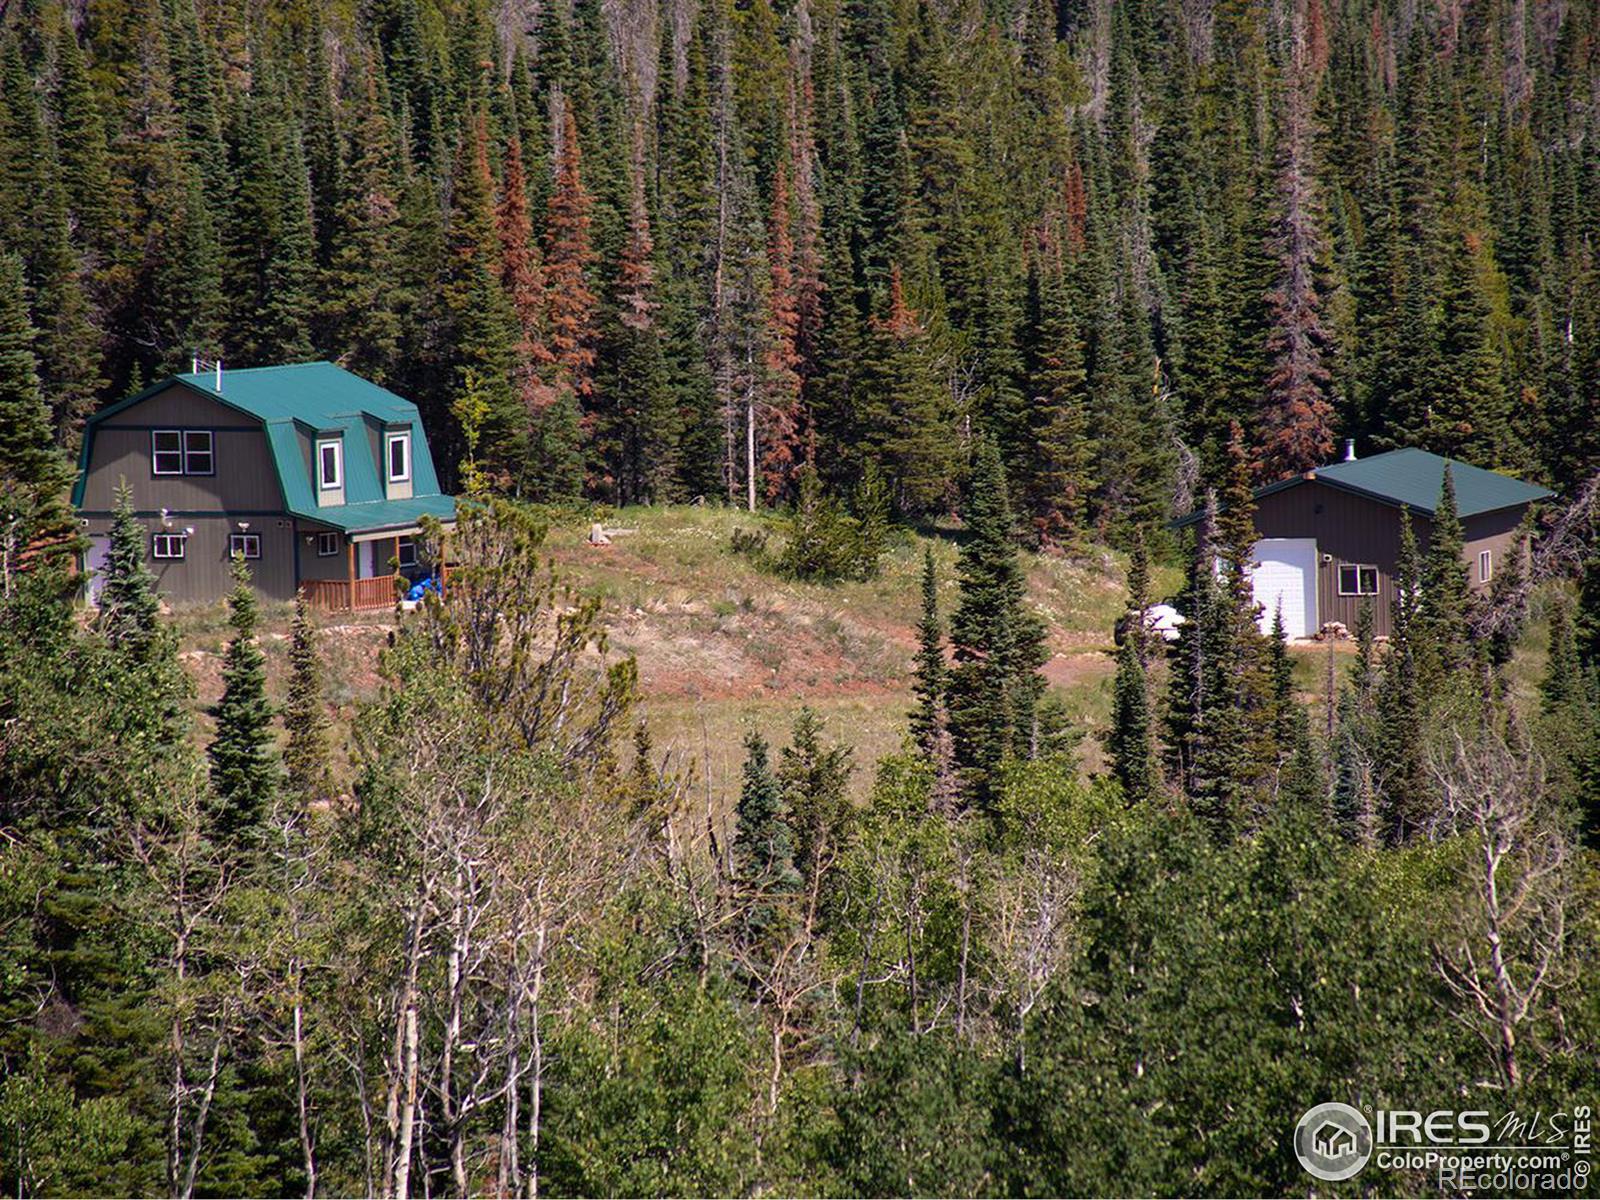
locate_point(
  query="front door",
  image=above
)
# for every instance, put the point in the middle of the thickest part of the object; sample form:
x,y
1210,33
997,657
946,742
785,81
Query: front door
x,y
1283,576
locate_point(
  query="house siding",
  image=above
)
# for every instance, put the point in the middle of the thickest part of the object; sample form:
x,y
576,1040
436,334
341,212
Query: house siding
x,y
244,482
313,565
202,575
1351,529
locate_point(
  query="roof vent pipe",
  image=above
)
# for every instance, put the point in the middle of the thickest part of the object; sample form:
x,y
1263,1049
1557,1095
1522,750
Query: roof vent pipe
x,y
1349,443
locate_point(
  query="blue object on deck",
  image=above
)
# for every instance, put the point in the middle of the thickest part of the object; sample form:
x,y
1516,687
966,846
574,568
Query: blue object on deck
x,y
423,586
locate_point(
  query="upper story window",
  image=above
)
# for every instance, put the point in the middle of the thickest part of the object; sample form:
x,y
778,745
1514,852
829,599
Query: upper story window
x,y
330,464
182,452
397,448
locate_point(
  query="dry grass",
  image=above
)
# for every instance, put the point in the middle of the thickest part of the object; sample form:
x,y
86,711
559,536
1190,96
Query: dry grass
x,y
724,646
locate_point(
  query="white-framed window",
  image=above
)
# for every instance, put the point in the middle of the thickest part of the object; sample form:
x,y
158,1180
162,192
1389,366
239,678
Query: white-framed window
x,y
330,464
406,553
166,451
1485,566
169,545
397,452
246,544
327,545
197,456
1358,579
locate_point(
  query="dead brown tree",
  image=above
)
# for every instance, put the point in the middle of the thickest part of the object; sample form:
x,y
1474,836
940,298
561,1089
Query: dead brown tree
x,y
1506,950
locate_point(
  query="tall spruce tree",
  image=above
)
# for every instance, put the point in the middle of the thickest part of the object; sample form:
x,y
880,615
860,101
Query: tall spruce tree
x,y
244,773
999,646
1131,740
929,675
307,761
34,475
763,847
128,608
1446,595
1404,794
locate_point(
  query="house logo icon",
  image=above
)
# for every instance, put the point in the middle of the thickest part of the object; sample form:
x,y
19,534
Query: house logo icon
x,y
1333,1141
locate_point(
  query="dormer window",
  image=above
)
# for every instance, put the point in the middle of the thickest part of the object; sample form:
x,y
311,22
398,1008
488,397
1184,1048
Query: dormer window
x,y
330,464
397,447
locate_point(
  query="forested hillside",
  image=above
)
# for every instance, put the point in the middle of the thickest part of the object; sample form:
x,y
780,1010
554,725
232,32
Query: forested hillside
x,y
1026,281
678,250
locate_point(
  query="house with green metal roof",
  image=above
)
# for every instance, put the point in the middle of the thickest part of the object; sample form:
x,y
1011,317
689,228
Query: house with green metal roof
x,y
1329,538
319,478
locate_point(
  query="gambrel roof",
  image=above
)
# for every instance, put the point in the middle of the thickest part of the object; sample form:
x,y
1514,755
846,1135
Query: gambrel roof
x,y
302,400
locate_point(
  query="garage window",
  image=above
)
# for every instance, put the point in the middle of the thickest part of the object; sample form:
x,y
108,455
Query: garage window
x,y
244,545
1356,579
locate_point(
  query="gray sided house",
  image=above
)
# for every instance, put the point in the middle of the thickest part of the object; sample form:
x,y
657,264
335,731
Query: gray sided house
x,y
1330,537
318,477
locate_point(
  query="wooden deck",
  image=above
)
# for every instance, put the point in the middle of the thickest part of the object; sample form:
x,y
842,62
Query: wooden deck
x,y
338,595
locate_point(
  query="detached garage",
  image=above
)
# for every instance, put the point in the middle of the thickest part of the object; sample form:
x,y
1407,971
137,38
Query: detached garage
x,y
1330,537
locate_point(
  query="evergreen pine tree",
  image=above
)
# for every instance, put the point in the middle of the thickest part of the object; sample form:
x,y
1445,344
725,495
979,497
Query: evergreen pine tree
x,y
1403,798
571,326
34,475
1358,742
481,323
763,846
928,675
1446,595
1296,776
995,683
243,774
364,297
308,771
129,609
1060,475
1131,740
814,778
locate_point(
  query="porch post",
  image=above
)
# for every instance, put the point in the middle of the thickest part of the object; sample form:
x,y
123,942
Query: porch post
x,y
351,595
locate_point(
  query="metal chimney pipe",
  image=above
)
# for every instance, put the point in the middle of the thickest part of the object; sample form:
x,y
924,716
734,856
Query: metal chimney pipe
x,y
1349,449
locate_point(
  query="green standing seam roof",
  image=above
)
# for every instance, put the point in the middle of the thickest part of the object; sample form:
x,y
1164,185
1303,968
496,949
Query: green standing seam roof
x,y
1413,479
311,398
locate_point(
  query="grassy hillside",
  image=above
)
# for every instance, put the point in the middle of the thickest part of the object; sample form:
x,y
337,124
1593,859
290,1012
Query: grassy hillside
x,y
724,645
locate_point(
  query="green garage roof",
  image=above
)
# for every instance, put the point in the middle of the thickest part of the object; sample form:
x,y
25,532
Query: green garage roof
x,y
1413,479
297,401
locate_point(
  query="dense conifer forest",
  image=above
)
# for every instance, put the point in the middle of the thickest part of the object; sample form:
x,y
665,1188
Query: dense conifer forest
x,y
1037,276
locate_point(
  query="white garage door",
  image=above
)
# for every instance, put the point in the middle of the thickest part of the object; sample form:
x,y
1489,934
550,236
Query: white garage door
x,y
1285,573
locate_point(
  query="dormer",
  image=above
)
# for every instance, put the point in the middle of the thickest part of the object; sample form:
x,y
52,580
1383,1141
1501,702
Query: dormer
x,y
397,464
327,467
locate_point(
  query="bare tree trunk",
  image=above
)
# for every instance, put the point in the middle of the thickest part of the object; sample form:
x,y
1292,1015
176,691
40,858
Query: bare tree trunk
x,y
179,1093
750,441
408,1115
536,1084
197,1139
308,1150
401,1104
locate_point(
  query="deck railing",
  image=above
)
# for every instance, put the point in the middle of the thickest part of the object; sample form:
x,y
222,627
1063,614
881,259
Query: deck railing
x,y
335,595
